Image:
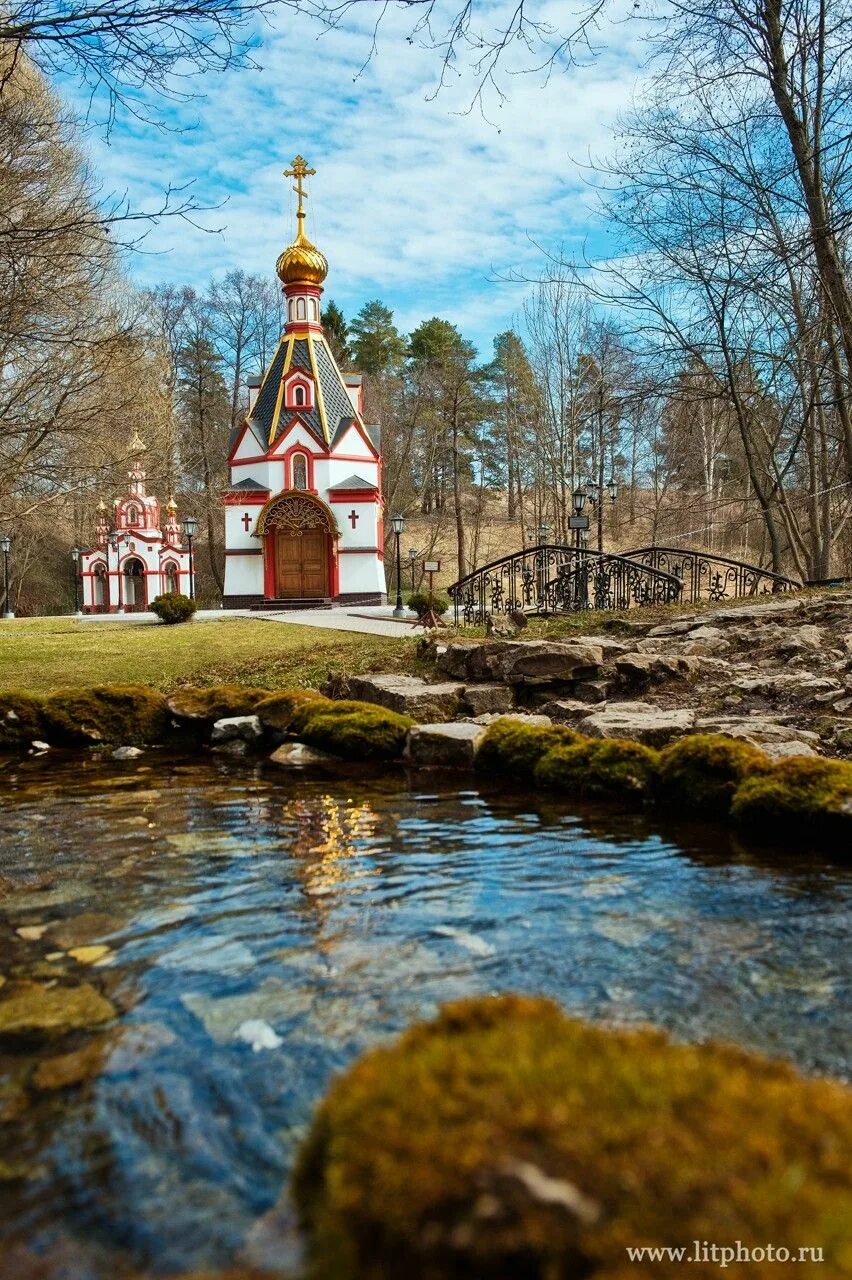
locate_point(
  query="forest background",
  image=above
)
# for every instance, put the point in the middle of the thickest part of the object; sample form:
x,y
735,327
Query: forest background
x,y
701,373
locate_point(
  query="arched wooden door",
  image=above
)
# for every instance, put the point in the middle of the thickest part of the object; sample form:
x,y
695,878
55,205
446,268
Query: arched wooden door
x,y
301,564
298,532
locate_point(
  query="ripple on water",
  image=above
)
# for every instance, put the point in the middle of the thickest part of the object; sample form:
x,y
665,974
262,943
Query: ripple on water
x,y
262,931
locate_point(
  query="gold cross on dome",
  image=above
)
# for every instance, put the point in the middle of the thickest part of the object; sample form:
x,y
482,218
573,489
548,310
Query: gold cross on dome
x,y
299,171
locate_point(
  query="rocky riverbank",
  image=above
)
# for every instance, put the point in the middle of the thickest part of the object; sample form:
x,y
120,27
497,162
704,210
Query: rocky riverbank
x,y
774,673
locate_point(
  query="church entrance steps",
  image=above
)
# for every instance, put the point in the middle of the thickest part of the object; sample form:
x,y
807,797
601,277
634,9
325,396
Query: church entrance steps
x,y
281,605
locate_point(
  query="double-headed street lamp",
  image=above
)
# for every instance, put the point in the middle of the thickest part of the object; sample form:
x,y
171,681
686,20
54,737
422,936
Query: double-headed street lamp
x,y
75,556
6,547
595,495
398,524
190,528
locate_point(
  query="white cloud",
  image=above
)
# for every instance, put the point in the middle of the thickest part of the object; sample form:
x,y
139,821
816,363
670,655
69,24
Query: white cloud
x,y
416,201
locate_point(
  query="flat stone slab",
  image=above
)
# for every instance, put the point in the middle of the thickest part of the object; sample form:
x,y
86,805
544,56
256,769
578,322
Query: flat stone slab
x,y
444,746
778,741
569,710
522,661
237,728
409,695
482,698
641,721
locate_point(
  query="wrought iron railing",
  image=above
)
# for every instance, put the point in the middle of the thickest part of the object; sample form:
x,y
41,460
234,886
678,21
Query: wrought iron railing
x,y
552,578
706,576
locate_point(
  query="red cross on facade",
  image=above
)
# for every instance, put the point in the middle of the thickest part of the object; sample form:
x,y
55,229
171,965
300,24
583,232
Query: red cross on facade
x,y
246,522
354,517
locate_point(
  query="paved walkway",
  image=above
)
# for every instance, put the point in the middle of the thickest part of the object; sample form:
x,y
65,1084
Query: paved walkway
x,y
374,620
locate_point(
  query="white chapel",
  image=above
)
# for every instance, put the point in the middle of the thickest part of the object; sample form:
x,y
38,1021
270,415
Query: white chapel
x,y
303,512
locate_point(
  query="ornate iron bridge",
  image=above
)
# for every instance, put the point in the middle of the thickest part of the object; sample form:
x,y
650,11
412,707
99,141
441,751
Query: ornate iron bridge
x,y
706,576
553,578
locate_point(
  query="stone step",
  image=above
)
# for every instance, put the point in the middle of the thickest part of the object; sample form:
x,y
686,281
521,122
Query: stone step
x,y
279,606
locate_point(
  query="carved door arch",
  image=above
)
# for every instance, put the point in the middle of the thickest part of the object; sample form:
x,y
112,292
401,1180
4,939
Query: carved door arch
x,y
298,532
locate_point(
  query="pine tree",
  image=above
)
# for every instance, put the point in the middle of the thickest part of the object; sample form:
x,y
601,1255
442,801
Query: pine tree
x,y
378,346
337,333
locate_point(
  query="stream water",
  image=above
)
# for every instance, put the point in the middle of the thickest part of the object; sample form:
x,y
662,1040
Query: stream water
x,y
256,931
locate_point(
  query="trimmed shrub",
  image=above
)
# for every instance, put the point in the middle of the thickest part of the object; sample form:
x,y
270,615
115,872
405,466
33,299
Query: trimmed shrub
x,y
505,1139
215,703
701,773
419,602
803,796
21,718
276,710
172,607
355,730
116,713
599,769
514,748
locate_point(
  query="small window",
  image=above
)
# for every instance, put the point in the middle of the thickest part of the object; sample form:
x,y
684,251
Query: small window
x,y
300,471
314,309
299,396
132,517
300,308
290,311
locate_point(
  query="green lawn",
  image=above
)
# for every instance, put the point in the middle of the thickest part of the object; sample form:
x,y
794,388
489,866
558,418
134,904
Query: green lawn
x,y
52,653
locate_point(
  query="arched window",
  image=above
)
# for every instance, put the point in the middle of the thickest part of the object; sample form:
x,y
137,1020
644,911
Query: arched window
x,y
134,585
299,395
314,309
300,471
170,577
290,311
133,517
300,309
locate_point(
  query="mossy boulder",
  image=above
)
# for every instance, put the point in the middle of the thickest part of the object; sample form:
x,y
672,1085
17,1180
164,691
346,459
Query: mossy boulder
x,y
21,718
219,702
613,769
513,748
700,774
107,713
802,797
354,730
276,710
504,1139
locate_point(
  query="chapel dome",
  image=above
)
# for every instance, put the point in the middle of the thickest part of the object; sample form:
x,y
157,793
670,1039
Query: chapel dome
x,y
302,262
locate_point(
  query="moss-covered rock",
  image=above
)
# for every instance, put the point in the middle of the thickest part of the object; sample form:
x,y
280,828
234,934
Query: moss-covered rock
x,y
504,1139
700,774
276,710
802,797
220,702
612,769
21,718
106,713
514,749
355,730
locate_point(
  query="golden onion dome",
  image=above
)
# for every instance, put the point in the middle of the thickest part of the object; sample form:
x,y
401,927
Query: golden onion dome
x,y
302,262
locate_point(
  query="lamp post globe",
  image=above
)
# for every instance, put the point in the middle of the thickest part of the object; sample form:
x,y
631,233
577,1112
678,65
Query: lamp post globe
x,y
398,524
190,527
6,547
612,488
543,531
579,499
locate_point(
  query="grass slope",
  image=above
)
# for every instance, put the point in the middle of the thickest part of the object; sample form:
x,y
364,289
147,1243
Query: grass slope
x,y
52,653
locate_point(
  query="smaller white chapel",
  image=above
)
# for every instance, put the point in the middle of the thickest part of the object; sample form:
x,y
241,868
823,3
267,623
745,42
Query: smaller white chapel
x,y
136,559
303,513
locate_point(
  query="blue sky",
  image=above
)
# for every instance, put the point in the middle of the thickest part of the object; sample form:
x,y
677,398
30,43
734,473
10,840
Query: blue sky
x,y
416,200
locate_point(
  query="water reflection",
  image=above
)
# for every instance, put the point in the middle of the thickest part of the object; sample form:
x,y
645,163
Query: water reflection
x,y
254,932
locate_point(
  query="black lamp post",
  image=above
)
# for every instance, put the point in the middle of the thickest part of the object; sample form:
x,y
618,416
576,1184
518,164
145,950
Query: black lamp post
x,y
6,547
412,557
398,524
75,556
190,528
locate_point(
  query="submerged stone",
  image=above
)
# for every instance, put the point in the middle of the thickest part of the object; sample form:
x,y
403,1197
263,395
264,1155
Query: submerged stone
x,y
298,755
71,1068
444,745
28,1008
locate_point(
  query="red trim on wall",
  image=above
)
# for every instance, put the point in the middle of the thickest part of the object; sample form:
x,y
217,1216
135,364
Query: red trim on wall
x,y
354,495
360,551
255,498
250,551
